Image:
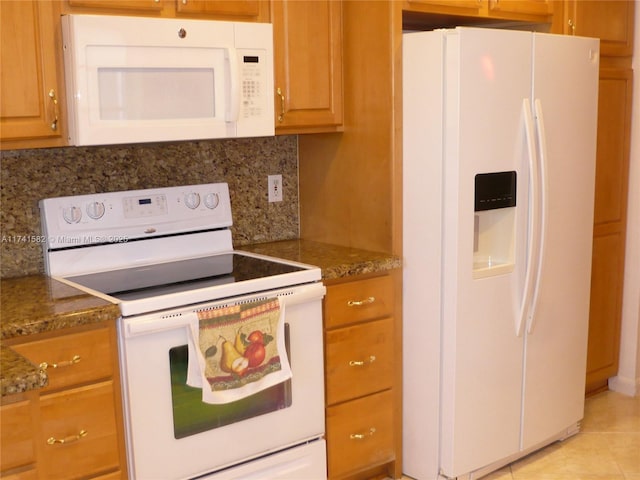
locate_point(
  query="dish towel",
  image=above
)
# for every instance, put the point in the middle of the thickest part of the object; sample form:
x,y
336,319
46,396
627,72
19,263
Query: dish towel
x,y
240,350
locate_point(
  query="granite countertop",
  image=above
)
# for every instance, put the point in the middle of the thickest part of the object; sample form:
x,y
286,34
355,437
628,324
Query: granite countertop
x,y
37,303
334,260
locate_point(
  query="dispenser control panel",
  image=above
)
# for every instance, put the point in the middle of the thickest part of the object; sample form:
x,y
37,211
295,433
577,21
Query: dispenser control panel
x,y
495,190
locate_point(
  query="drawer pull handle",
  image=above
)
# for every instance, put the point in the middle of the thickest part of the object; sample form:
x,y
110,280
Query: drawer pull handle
x,y
362,363
69,439
360,303
362,436
66,363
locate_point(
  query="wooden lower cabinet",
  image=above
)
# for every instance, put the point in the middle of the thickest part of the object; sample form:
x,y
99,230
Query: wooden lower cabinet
x,y
359,360
77,431
610,225
360,434
363,404
18,418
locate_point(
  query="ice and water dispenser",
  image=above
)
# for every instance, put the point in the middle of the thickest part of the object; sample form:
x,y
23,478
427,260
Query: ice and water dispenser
x,y
494,224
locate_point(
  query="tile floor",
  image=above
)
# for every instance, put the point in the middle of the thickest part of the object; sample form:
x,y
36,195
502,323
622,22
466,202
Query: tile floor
x,y
607,448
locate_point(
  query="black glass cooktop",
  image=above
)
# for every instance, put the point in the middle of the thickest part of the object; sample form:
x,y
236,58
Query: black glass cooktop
x,y
181,276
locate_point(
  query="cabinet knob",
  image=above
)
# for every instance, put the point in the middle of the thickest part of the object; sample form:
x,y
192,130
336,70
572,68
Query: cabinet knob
x,y
72,438
572,26
361,303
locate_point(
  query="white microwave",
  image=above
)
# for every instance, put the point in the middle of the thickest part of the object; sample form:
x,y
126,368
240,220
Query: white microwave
x,y
137,79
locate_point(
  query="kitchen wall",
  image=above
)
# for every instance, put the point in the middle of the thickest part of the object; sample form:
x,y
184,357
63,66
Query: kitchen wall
x,y
30,175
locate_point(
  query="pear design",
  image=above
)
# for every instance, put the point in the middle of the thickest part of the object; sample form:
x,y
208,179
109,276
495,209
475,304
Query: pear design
x,y
232,361
239,344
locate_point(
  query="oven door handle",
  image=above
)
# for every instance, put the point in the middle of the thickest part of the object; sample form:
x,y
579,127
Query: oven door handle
x,y
169,321
149,326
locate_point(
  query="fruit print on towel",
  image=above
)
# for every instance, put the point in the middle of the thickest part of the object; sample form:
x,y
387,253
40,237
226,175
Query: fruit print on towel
x,y
239,343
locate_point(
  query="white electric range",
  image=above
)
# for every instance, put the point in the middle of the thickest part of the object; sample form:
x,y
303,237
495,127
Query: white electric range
x,y
164,255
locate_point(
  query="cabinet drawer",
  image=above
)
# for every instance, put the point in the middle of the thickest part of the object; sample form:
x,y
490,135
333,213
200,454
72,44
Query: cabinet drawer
x,y
359,360
16,435
72,359
360,433
357,301
79,433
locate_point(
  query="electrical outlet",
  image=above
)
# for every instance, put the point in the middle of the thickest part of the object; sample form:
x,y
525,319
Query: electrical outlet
x,y
275,188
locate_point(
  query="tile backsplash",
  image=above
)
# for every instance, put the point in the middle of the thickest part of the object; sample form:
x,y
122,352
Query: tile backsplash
x,y
30,175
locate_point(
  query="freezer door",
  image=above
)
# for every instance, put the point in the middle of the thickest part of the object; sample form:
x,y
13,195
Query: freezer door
x,y
488,77
565,107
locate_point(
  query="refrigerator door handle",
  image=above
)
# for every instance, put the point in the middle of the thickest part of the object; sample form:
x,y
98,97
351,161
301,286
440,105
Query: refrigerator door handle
x,y
527,290
544,183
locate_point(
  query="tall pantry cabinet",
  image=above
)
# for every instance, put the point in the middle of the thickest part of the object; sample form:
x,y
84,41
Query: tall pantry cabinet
x,y
612,22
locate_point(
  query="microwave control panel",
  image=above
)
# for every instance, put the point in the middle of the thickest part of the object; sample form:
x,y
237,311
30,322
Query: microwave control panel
x,y
253,84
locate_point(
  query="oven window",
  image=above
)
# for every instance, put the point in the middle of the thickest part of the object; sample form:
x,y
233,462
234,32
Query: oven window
x,y
191,415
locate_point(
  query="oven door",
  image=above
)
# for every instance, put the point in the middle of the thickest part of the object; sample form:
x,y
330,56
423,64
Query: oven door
x,y
171,434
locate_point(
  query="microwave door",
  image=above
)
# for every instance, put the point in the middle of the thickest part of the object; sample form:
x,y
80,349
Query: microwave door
x,y
184,96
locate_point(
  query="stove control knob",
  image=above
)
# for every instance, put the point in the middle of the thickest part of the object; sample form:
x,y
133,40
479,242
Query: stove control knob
x,y
212,200
192,200
95,210
72,214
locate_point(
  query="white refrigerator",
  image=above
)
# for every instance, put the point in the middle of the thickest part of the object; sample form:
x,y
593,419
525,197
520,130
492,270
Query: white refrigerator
x,y
499,145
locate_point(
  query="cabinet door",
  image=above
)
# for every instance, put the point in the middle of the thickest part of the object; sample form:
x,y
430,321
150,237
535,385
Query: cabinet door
x,y
79,432
124,5
308,64
528,7
72,359
30,88
360,434
534,10
17,434
609,20
452,7
359,360
256,10
358,301
610,220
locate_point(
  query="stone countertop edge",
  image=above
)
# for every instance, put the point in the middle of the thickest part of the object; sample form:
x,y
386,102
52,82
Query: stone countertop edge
x,y
18,374
60,306
335,261
37,304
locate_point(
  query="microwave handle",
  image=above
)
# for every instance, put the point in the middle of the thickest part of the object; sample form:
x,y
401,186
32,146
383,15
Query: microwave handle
x,y
234,85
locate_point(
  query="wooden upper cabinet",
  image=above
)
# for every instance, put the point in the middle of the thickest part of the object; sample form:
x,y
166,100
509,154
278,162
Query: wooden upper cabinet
x,y
118,5
31,83
450,7
525,7
240,10
609,20
520,10
308,65
257,10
